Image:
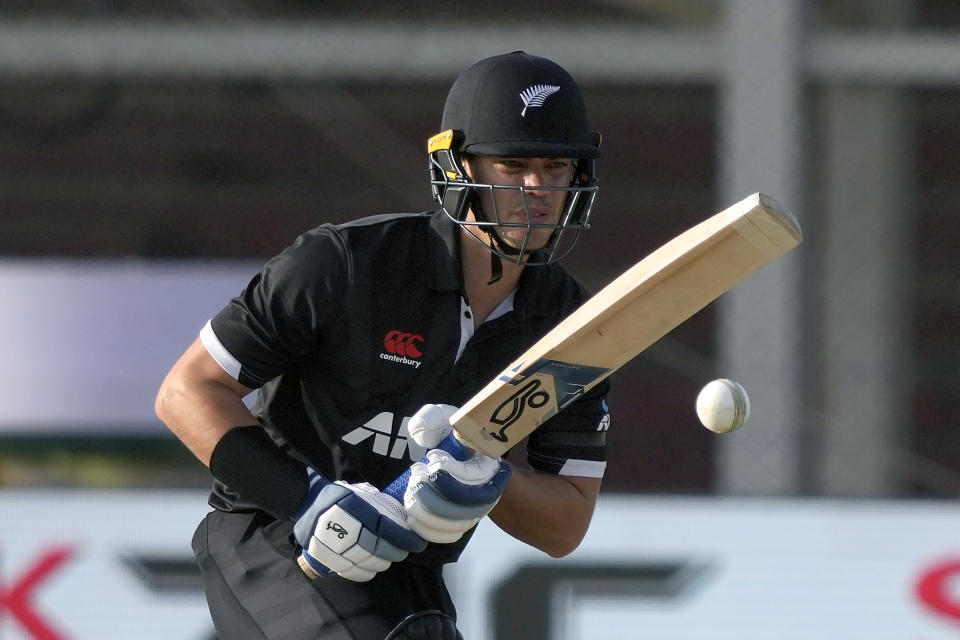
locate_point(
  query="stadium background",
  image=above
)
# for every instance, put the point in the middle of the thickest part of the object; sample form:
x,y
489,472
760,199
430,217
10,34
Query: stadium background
x,y
146,142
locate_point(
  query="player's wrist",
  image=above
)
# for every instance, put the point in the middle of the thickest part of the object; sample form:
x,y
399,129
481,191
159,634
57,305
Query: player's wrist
x,y
248,462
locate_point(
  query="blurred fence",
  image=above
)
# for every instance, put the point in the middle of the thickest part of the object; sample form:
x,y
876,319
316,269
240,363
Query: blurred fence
x,y
163,136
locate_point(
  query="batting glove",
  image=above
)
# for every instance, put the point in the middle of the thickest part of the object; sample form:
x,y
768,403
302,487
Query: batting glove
x,y
353,530
448,493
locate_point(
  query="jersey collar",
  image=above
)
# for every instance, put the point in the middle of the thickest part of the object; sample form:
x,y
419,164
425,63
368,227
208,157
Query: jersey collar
x,y
445,274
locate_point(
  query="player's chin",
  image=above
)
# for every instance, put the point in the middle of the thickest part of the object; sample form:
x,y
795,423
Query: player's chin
x,y
528,243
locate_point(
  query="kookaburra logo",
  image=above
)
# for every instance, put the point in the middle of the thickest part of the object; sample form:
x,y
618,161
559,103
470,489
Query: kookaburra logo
x,y
337,528
534,96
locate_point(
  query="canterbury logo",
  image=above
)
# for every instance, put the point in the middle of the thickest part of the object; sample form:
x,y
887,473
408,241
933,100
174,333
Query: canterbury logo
x,y
535,95
401,347
529,395
403,344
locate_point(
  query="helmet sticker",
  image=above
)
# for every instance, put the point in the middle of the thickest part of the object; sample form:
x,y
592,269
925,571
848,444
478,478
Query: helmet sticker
x,y
535,96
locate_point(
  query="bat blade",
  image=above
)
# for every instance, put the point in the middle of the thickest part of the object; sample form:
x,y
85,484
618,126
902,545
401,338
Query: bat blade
x,y
624,318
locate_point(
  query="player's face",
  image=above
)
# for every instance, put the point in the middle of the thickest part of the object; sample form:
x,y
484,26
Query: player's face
x,y
530,206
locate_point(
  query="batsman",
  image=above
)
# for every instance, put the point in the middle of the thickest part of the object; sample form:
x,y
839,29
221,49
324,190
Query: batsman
x,y
360,340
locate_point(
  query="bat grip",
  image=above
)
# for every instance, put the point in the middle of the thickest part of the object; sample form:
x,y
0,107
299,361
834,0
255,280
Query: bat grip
x,y
396,489
450,444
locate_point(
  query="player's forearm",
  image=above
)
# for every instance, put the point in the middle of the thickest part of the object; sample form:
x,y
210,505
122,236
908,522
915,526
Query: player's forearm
x,y
551,513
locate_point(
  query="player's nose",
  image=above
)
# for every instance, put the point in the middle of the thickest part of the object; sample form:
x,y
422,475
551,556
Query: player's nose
x,y
534,178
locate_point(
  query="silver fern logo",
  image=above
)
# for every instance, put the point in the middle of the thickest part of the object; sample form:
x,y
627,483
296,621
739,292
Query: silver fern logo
x,y
535,95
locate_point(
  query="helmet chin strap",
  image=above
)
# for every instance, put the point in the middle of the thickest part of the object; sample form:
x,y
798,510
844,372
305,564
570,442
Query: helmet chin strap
x,y
496,267
496,263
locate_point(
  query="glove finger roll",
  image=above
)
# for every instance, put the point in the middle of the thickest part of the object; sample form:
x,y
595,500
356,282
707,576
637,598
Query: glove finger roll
x,y
428,497
436,529
362,558
328,557
380,547
397,534
480,494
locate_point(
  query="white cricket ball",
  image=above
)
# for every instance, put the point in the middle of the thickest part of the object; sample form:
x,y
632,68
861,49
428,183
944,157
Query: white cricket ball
x,y
723,406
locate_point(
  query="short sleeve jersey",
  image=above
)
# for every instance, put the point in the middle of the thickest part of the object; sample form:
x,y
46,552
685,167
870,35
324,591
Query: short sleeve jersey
x,y
354,327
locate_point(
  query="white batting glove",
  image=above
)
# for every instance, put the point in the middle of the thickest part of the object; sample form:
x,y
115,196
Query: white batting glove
x,y
353,530
431,424
446,497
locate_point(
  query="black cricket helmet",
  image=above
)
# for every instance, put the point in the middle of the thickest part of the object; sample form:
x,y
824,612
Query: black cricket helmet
x,y
517,106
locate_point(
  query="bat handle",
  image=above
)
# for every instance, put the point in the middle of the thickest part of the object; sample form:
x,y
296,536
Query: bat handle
x,y
450,444
396,489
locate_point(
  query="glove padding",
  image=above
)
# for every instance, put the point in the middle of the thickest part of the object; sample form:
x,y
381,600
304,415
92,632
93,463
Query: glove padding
x,y
353,530
446,497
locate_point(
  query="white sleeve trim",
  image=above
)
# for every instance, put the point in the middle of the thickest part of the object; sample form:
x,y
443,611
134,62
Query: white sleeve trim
x,y
219,353
583,468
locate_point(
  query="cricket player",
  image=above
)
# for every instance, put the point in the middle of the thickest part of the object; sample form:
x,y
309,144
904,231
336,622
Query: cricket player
x,y
360,339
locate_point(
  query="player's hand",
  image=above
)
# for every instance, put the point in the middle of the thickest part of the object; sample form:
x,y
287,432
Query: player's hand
x,y
353,530
445,496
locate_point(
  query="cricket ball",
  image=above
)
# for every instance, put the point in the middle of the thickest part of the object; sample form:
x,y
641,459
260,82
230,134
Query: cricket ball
x,y
723,405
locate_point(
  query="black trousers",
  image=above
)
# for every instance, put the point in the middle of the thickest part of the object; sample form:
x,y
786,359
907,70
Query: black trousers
x,y
256,591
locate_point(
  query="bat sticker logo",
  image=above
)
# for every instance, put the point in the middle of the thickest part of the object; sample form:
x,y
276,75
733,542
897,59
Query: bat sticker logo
x,y
529,395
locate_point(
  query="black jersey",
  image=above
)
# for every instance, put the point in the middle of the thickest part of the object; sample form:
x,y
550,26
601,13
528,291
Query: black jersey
x,y
354,327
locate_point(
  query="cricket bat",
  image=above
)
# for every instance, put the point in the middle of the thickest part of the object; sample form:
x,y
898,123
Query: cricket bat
x,y
624,318
616,324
